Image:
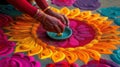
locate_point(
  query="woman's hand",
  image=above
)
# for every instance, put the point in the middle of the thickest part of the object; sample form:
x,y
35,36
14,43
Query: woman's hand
x,y
50,23
61,17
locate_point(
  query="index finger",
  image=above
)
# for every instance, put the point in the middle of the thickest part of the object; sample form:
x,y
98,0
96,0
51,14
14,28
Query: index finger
x,y
66,19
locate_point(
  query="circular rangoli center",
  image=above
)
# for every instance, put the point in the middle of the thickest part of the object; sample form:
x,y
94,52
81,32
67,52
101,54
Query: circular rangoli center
x,y
83,34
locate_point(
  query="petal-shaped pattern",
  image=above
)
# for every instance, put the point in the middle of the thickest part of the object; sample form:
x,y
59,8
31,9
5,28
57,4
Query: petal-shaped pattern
x,y
102,50
26,46
19,60
91,33
116,56
74,13
38,49
46,53
101,63
62,3
58,56
94,54
6,47
84,56
65,11
87,4
71,57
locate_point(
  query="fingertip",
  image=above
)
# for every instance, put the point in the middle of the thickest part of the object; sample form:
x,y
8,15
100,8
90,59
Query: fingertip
x,y
62,26
57,28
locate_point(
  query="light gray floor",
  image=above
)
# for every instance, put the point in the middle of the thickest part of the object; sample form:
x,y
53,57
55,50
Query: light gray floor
x,y
104,3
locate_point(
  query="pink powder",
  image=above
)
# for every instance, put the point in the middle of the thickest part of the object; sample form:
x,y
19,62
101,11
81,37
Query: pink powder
x,y
6,47
63,2
82,35
5,20
19,60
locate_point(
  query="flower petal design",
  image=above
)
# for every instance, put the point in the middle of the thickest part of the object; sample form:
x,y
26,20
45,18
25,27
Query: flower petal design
x,y
83,56
62,64
38,49
101,63
19,60
116,56
26,46
73,13
112,13
6,47
62,3
94,54
65,11
71,57
46,53
102,50
87,4
58,56
55,10
91,33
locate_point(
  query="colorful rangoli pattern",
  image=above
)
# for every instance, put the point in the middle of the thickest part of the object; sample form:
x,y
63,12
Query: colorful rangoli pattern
x,y
6,46
100,63
99,35
112,13
87,4
62,64
116,56
62,3
5,20
19,60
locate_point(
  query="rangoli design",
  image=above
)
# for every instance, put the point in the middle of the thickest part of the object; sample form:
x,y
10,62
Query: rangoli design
x,y
100,63
112,13
62,3
62,64
6,46
116,56
19,60
5,20
92,36
87,4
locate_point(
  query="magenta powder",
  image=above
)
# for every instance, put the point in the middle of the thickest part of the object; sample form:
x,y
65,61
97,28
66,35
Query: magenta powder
x,y
19,60
5,20
82,35
62,64
6,47
100,63
62,3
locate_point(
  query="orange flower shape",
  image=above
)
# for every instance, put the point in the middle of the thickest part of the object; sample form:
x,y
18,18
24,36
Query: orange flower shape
x,y
102,40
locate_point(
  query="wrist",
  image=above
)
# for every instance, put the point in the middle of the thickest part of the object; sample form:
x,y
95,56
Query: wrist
x,y
38,13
